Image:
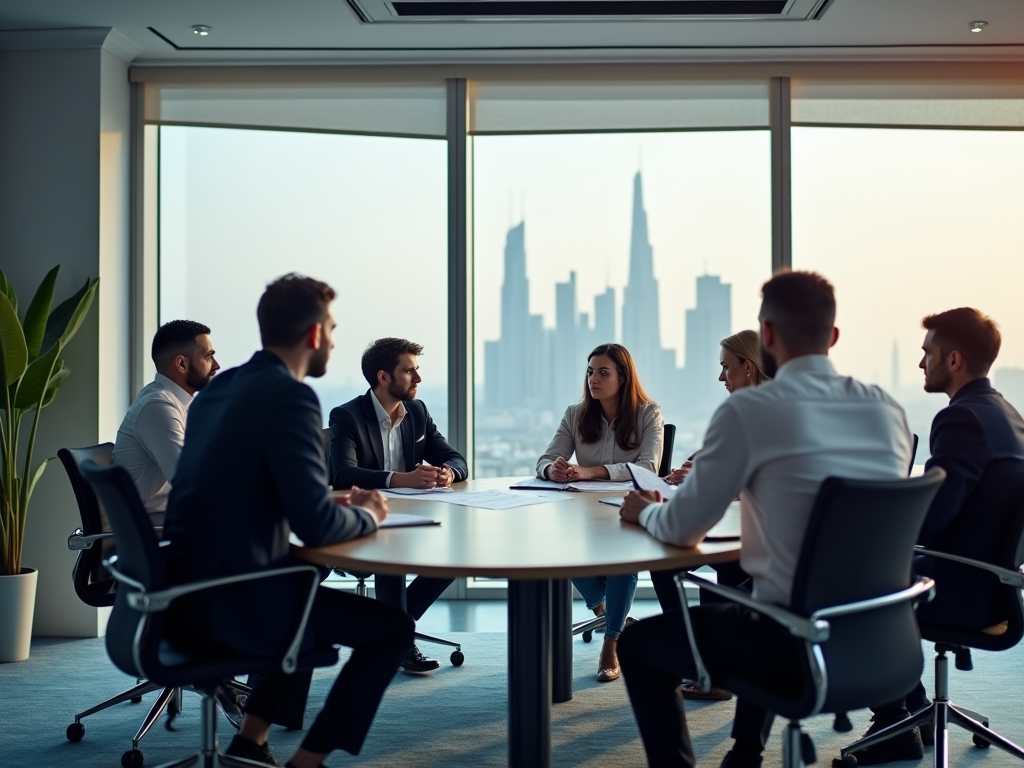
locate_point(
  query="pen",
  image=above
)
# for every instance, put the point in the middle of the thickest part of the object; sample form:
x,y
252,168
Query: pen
x,y
692,455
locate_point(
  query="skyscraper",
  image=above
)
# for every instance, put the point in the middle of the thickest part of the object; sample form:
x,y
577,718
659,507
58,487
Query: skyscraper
x,y
641,322
513,365
604,318
706,325
564,351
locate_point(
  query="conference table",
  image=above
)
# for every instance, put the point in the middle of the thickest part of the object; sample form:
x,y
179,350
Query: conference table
x,y
538,548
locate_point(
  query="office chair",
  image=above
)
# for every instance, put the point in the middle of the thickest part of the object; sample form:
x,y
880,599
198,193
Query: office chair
x,y
860,638
134,633
941,712
96,587
587,627
457,656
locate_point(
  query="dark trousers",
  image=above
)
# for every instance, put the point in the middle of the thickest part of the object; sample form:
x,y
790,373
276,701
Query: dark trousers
x,y
379,637
751,725
655,656
414,599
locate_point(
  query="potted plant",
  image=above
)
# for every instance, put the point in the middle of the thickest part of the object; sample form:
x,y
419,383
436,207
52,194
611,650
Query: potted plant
x,y
32,369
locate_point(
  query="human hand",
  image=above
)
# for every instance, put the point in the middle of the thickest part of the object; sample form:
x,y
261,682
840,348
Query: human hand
x,y
445,476
422,476
562,471
676,476
371,500
635,503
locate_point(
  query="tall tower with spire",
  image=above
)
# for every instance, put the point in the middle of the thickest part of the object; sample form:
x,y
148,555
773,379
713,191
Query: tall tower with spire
x,y
641,324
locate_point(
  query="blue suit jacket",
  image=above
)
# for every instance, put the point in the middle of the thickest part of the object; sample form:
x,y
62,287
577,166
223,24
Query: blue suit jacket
x,y
251,470
357,452
979,441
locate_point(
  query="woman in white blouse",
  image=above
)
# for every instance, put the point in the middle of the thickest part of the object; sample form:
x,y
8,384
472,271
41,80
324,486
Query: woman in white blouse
x,y
615,422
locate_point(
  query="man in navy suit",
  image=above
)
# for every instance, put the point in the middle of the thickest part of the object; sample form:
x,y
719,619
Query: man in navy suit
x,y
979,440
251,471
386,439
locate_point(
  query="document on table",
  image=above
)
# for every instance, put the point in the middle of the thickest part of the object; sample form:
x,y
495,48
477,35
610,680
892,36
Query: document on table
x,y
645,480
578,486
395,493
726,529
402,520
501,499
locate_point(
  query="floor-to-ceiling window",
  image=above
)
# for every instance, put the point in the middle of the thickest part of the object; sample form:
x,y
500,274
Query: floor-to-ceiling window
x,y
906,223
366,214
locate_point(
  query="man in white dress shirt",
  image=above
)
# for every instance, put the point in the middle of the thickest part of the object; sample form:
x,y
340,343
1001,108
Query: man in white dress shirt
x,y
772,446
150,437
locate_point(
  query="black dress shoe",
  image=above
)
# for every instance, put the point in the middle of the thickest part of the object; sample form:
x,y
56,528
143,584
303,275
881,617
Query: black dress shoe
x,y
415,663
903,746
250,750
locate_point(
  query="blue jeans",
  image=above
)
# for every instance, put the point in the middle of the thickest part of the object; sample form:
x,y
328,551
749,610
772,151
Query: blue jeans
x,y
616,592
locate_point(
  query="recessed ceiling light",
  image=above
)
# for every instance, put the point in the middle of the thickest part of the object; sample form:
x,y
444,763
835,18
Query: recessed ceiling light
x,y
202,30
977,26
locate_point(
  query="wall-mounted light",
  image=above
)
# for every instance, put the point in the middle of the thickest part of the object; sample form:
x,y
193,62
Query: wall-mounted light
x,y
202,30
977,26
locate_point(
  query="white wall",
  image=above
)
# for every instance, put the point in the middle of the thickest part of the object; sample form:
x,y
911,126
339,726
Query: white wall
x,y
64,199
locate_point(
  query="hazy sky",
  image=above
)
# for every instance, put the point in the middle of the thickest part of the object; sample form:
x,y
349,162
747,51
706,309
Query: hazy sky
x,y
904,222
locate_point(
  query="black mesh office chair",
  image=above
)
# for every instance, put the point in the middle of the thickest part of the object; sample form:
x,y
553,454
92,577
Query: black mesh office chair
x,y
96,587
857,622
134,632
588,627
1007,584
457,657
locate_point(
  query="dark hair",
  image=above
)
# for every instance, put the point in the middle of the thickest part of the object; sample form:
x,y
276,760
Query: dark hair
x,y
177,337
383,354
289,307
631,396
967,331
801,306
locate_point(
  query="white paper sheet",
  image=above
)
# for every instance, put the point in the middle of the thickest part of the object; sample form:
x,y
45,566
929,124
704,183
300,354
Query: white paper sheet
x,y
395,493
648,481
501,499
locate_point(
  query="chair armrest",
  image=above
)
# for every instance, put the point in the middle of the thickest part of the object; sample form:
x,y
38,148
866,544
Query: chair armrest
x,y
78,541
155,602
1005,575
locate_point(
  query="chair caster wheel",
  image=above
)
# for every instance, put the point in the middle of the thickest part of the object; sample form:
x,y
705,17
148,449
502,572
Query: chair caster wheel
x,y
75,732
132,759
979,742
457,658
846,761
842,723
588,636
135,699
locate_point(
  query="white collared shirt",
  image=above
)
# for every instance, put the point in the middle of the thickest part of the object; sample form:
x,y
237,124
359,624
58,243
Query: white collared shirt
x,y
390,437
150,437
773,445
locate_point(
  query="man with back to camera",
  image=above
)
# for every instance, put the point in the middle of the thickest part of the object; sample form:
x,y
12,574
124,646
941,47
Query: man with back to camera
x,y
979,440
772,445
150,437
251,471
381,440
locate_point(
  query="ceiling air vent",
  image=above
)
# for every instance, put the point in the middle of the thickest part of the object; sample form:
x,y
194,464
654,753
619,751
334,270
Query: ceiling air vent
x,y
586,10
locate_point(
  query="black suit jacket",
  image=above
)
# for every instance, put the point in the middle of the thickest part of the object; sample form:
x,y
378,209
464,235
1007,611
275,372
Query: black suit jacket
x,y
357,452
251,470
979,441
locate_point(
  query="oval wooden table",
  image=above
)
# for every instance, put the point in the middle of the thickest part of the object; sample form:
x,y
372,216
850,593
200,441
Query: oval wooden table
x,y
538,549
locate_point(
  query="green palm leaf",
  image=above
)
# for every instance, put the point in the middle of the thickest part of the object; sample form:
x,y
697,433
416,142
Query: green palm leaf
x,y
37,312
12,342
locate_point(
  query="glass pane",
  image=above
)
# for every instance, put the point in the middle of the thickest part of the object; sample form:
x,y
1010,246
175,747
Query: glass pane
x,y
239,208
906,223
660,241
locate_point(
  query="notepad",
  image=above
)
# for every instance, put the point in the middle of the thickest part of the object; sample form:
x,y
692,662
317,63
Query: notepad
x,y
402,520
576,486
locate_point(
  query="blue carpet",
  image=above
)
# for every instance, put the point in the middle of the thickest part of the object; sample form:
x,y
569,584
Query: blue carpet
x,y
456,717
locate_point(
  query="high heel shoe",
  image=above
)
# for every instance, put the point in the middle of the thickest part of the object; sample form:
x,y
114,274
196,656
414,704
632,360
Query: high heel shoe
x,y
608,668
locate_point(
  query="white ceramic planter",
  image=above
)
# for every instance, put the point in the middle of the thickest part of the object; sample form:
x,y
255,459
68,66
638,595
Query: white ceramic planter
x,y
17,607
